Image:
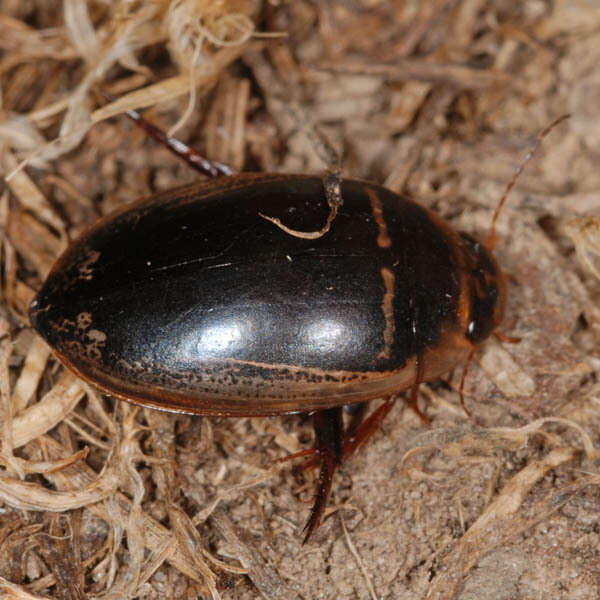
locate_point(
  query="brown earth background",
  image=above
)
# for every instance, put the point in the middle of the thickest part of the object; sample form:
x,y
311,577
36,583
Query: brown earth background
x,y
437,100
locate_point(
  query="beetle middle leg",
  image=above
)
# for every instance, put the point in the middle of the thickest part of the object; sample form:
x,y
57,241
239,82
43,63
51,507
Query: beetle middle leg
x,y
365,430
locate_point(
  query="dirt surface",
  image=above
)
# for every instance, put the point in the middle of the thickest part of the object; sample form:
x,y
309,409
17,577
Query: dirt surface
x,y
439,101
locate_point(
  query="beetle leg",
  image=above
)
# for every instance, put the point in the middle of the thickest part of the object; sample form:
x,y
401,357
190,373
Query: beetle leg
x,y
412,401
299,454
506,339
329,430
371,424
356,412
191,156
462,382
367,428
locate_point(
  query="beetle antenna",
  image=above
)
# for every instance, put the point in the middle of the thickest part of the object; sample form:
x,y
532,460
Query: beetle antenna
x,y
518,170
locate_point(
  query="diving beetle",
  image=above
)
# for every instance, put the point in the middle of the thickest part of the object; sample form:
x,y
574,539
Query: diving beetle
x,y
194,301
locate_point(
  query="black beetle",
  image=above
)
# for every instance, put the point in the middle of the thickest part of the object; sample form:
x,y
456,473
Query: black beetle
x,y
190,301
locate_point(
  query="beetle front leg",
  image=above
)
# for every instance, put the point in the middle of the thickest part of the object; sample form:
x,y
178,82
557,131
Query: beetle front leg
x,y
414,391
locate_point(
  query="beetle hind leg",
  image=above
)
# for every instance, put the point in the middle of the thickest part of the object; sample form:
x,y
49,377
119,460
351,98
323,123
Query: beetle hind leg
x,y
191,156
334,445
329,431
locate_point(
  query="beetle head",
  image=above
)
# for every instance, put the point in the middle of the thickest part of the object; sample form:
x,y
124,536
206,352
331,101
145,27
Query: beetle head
x,y
487,293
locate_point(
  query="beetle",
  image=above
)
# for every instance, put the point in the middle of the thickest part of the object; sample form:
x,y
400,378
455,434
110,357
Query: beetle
x,y
193,301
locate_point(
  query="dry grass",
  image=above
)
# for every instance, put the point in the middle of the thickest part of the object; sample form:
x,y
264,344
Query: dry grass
x,y
438,100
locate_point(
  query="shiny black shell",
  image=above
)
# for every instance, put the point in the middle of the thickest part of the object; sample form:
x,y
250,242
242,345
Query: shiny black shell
x,y
190,301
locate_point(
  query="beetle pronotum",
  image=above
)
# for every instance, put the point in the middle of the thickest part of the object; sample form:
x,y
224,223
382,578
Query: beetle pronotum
x,y
191,301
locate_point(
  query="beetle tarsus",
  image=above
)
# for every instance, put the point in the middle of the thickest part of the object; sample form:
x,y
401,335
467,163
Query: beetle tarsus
x,y
506,339
328,466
